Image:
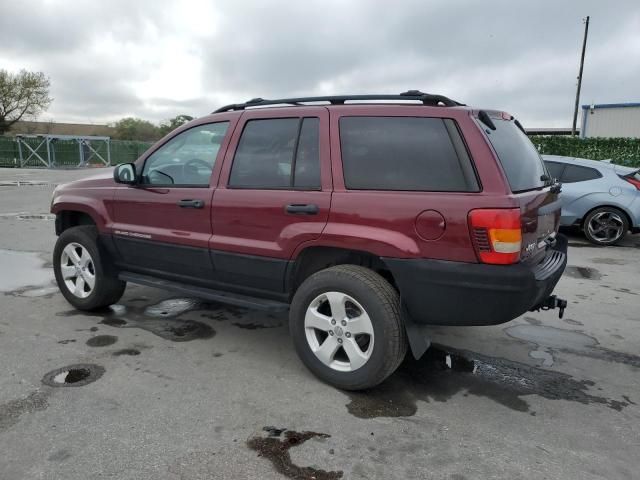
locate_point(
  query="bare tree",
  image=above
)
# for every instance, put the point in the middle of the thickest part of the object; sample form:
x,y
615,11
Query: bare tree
x,y
22,94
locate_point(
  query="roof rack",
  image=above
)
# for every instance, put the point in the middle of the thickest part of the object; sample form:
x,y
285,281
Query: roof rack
x,y
425,98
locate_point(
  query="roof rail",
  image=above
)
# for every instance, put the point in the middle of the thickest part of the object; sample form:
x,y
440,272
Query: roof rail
x,y
425,98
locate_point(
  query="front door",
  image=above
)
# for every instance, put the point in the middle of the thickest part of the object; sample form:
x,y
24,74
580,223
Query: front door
x,y
162,225
274,195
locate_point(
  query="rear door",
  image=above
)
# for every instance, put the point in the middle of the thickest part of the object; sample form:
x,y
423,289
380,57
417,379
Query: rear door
x,y
274,195
530,183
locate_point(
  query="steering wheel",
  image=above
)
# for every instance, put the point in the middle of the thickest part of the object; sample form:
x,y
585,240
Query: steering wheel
x,y
190,168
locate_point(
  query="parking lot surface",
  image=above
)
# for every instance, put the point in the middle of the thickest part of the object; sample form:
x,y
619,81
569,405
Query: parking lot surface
x,y
166,387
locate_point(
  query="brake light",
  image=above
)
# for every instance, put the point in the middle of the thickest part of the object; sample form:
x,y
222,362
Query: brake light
x,y
497,235
633,181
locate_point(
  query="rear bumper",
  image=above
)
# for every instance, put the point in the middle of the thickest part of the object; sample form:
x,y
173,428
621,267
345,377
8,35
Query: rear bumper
x,y
439,292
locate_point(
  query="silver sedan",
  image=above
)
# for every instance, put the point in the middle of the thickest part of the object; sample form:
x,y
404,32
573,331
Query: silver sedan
x,y
601,198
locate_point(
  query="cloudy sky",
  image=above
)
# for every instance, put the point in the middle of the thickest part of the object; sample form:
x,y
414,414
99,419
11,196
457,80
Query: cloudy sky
x,y
158,58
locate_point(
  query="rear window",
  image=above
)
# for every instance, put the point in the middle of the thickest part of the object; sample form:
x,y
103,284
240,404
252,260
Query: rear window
x,y
519,158
555,169
404,153
278,153
574,173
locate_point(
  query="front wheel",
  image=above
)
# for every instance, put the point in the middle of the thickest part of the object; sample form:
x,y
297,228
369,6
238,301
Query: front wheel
x,y
346,327
82,270
605,226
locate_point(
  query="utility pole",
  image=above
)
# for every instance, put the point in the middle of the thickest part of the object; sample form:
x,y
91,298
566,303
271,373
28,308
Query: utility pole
x,y
584,47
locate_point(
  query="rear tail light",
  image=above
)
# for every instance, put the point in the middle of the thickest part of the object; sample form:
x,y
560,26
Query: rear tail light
x,y
633,181
497,235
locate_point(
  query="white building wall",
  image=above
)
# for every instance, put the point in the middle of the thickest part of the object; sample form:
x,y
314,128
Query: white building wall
x,y
611,122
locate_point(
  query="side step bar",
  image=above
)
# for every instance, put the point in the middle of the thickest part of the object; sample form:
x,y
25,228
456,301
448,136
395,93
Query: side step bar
x,y
239,300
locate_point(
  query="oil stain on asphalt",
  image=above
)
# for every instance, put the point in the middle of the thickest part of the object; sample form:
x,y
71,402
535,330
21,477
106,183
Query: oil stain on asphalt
x,y
443,372
274,445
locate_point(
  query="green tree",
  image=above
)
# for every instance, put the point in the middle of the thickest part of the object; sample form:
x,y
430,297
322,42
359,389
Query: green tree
x,y
22,94
131,128
173,123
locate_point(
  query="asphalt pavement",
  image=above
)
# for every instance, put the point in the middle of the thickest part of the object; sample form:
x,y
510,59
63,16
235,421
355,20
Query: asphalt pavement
x,y
167,387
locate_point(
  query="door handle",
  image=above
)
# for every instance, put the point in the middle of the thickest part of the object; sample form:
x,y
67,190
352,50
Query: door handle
x,y
302,209
188,203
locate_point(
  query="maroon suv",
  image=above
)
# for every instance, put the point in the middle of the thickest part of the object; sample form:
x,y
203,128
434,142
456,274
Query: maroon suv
x,y
366,220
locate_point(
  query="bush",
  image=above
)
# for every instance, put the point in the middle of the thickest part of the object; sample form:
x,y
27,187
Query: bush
x,y
623,151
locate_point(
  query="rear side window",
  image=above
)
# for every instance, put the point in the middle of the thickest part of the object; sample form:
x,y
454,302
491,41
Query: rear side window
x,y
404,153
555,169
519,158
278,153
574,173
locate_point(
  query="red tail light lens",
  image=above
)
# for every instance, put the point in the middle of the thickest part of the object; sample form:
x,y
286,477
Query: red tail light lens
x,y
497,235
633,181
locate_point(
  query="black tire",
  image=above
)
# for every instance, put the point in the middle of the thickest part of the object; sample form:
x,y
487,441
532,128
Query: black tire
x,y
611,212
382,304
108,289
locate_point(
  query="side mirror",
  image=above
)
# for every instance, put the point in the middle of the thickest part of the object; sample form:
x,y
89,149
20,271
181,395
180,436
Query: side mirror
x,y
125,173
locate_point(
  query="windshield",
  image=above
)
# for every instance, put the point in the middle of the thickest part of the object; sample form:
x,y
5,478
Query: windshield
x,y
519,158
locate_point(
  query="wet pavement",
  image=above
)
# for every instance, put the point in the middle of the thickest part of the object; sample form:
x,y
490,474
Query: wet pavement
x,y
162,386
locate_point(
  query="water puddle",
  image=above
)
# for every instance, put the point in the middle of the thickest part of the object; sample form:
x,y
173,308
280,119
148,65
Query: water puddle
x,y
23,270
444,372
34,292
274,445
162,318
582,272
549,340
102,341
245,318
159,319
126,351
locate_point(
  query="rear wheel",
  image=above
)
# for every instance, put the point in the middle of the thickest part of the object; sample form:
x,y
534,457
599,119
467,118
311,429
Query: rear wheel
x,y
83,272
346,327
605,226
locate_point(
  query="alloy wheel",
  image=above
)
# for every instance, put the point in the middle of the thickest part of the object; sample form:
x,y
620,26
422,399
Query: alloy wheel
x,y
78,270
606,227
339,331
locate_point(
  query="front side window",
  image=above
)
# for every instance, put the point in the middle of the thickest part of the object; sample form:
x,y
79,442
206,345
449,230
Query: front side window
x,y
187,159
404,153
277,153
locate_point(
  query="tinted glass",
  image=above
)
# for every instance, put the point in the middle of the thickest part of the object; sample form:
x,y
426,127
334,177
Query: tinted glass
x,y
186,159
307,171
574,173
264,154
519,158
555,169
400,153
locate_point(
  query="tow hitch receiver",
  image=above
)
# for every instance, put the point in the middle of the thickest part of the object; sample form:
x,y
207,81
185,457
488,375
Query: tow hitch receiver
x,y
553,302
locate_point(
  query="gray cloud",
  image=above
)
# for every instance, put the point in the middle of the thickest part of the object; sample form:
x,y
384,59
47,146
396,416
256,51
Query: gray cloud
x,y
517,56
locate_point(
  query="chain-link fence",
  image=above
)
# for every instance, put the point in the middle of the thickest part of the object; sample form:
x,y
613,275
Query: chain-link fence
x,y
67,153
